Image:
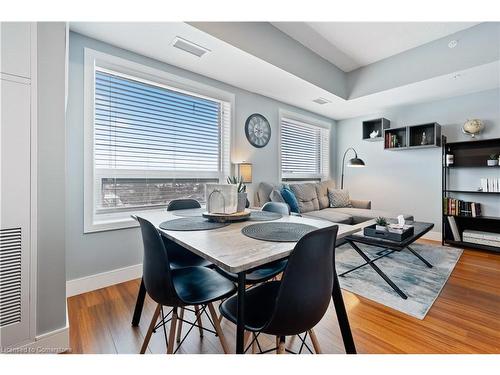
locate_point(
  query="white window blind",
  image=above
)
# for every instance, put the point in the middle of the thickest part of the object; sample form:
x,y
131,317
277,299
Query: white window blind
x,y
153,144
304,150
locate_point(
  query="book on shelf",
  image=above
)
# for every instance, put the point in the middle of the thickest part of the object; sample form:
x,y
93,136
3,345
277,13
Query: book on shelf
x,y
490,185
482,238
454,228
391,140
457,207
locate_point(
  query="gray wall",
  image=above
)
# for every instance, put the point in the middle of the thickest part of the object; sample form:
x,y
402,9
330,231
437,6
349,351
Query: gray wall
x,y
51,283
410,181
89,254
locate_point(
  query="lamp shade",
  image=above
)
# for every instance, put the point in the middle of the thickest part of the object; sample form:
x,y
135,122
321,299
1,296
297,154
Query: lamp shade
x,y
245,172
356,162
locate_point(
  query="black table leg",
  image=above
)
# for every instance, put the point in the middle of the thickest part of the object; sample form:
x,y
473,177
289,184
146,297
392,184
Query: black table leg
x,y
141,296
342,318
378,270
383,253
240,326
419,257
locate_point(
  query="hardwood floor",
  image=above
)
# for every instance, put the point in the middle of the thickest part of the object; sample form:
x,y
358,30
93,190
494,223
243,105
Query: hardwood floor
x,y
464,319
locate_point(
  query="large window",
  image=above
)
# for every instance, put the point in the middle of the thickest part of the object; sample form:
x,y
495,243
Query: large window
x,y
304,150
151,143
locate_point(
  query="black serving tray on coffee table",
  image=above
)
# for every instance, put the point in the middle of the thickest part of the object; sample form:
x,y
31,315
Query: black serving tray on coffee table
x,y
371,231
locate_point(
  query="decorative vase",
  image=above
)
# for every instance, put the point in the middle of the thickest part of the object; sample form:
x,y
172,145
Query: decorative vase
x,y
221,198
492,162
242,202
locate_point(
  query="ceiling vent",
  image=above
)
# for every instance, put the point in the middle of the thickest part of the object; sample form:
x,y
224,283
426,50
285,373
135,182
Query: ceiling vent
x,y
321,101
189,47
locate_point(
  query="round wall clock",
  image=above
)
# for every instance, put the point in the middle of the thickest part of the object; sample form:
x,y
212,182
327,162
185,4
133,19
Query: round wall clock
x,y
257,130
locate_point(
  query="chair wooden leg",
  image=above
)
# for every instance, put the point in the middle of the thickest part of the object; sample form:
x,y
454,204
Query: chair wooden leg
x,y
218,328
254,344
179,329
277,344
198,320
281,345
315,341
246,337
150,329
171,333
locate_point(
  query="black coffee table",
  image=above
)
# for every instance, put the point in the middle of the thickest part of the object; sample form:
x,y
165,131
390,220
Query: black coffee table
x,y
388,247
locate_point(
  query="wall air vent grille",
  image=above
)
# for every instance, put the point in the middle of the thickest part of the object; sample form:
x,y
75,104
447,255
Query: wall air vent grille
x,y
189,47
321,101
10,276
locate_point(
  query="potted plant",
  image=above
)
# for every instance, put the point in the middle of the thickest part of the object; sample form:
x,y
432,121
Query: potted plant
x,y
381,223
493,160
242,192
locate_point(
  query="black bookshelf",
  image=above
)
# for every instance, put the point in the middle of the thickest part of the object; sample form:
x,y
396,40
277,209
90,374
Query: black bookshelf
x,y
470,154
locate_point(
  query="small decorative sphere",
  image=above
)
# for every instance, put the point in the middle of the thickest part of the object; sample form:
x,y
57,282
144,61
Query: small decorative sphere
x,y
473,127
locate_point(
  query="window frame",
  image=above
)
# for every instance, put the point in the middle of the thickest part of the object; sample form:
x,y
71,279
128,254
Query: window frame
x,y
309,122
128,69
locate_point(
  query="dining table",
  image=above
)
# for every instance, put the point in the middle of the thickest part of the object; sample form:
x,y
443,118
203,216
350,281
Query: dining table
x,y
228,248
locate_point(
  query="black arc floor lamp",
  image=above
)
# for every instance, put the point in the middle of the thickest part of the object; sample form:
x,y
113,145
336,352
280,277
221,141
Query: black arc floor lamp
x,y
354,162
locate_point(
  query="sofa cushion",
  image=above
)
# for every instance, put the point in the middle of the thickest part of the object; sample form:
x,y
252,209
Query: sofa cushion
x,y
339,198
330,214
306,195
276,196
263,192
359,215
290,199
322,192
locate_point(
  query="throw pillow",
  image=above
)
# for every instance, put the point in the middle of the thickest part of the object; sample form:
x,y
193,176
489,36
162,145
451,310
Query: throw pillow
x,y
306,196
322,193
290,199
339,198
276,196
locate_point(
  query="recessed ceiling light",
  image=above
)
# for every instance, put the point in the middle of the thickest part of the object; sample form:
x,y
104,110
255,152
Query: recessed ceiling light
x,y
453,43
189,47
457,76
321,101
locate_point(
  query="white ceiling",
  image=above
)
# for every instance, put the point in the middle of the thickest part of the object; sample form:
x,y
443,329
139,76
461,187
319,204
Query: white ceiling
x,y
231,65
351,45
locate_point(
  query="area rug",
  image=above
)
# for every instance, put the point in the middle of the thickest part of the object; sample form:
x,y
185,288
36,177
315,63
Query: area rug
x,y
422,285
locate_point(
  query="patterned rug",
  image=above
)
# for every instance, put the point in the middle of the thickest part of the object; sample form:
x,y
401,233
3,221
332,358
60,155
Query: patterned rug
x,y
422,285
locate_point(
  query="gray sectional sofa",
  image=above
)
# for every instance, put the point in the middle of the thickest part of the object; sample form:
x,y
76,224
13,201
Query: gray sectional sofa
x,y
314,203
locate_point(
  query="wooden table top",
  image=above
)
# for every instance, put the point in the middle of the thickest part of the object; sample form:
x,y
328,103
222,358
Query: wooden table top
x,y
231,250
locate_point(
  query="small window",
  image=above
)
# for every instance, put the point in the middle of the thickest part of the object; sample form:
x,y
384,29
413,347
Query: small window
x,y
304,150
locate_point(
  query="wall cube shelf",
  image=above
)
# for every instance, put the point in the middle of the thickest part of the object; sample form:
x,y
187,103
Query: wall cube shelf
x,y
379,124
413,137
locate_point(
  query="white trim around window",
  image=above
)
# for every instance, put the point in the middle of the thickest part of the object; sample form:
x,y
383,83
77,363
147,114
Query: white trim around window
x,y
319,170
96,219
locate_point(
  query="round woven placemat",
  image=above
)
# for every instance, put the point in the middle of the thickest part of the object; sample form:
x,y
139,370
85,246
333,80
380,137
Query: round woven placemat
x,y
191,212
264,216
191,224
277,232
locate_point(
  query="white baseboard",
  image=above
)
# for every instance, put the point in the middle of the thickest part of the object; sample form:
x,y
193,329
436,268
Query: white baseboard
x,y
53,342
435,236
102,280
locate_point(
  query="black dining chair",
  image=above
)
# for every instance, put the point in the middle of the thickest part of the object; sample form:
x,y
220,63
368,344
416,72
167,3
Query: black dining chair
x,y
179,257
294,305
178,288
278,207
